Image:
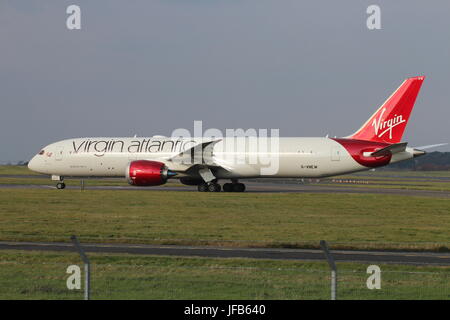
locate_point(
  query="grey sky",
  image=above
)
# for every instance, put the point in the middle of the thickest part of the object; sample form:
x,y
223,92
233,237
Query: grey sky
x,y
309,68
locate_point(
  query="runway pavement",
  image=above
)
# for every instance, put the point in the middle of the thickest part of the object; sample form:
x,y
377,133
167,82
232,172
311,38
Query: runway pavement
x,y
408,258
257,187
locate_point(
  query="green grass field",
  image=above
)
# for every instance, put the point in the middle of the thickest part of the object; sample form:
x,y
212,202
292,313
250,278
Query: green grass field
x,y
406,185
346,221
42,275
250,219
363,221
16,170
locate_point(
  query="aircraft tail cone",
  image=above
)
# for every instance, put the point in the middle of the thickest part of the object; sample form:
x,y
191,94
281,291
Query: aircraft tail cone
x,y
418,153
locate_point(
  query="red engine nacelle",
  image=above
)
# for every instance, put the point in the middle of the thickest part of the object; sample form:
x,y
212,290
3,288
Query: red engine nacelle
x,y
147,173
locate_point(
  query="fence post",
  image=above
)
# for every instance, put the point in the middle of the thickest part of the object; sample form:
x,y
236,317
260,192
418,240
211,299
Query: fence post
x,y
333,268
87,276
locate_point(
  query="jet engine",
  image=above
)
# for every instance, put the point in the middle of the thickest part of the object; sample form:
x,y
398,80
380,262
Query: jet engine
x,y
147,173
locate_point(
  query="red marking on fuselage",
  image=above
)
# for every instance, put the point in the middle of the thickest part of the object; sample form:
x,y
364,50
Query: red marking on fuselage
x,y
357,148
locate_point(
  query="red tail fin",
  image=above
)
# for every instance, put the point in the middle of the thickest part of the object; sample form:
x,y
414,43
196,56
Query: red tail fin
x,y
389,122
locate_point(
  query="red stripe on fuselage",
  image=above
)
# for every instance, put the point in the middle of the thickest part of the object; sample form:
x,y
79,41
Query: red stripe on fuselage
x,y
357,148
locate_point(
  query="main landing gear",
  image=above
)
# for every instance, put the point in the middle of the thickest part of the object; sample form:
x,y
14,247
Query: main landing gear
x,y
209,187
234,187
215,187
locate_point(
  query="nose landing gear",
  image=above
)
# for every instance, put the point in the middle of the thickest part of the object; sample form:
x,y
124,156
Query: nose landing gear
x,y
60,185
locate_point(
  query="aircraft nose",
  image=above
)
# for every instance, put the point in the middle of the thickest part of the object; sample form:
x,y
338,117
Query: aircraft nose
x,y
33,164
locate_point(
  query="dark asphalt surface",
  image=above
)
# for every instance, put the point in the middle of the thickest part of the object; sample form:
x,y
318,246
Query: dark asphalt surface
x,y
258,187
373,257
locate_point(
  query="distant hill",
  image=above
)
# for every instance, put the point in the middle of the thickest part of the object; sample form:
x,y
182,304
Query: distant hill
x,y
429,162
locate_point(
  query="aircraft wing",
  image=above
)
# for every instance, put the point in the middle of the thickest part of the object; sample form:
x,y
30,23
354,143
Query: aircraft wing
x,y
200,155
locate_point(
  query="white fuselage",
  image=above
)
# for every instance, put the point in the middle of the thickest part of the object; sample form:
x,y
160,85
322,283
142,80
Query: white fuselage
x,y
289,157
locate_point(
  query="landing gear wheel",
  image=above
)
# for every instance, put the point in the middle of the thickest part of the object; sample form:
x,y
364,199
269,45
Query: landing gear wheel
x,y
214,187
238,187
228,187
202,187
60,185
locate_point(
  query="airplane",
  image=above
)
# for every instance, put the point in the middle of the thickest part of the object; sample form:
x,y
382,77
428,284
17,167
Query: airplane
x,y
205,161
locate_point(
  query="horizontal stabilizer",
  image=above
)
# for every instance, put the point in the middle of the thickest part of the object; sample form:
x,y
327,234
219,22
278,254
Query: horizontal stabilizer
x,y
391,149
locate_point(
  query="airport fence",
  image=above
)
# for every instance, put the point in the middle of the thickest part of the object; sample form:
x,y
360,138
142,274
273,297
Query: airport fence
x,y
32,275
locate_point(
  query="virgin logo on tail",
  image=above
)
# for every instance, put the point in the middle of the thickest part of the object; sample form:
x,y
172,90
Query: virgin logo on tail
x,y
395,111
386,125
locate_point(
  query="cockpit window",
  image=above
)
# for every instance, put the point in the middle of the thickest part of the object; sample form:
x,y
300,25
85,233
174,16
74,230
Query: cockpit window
x,y
41,152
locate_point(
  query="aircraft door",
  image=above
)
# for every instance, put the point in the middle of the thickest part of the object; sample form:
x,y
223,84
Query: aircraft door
x,y
59,153
335,154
